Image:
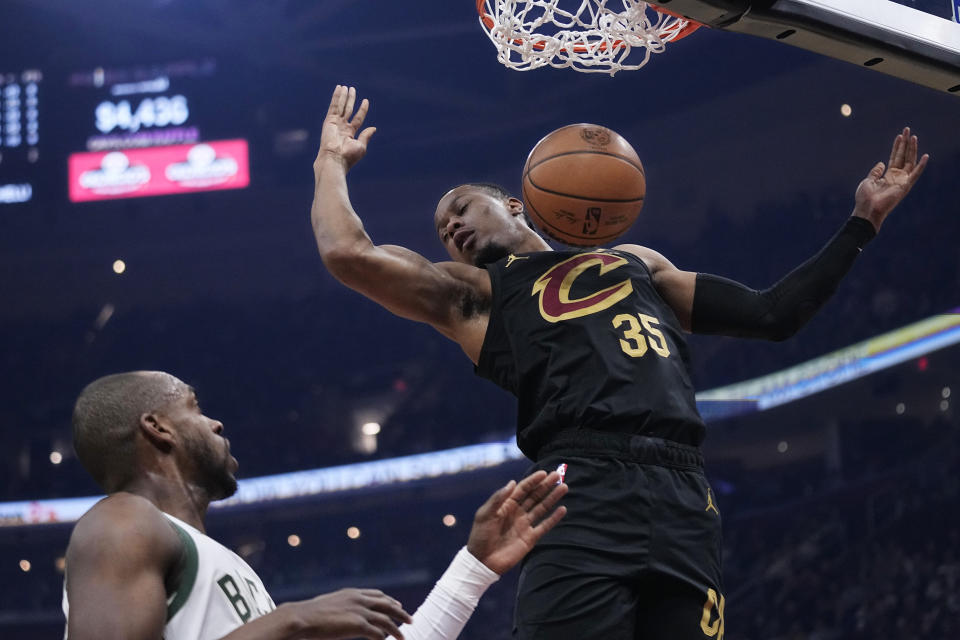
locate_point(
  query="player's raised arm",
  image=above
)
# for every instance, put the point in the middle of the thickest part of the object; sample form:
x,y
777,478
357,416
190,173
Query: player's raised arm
x,y
401,280
711,304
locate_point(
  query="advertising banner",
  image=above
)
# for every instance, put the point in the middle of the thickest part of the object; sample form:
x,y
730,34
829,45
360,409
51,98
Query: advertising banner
x,y
154,171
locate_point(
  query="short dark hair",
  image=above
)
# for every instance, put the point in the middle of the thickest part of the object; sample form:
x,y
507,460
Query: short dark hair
x,y
492,188
106,418
498,191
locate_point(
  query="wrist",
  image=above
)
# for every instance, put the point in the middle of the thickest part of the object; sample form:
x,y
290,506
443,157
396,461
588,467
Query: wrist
x,y
467,576
875,220
329,160
862,227
292,620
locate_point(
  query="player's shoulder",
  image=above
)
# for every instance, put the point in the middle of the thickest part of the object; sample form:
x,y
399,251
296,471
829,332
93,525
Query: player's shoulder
x,y
654,260
124,523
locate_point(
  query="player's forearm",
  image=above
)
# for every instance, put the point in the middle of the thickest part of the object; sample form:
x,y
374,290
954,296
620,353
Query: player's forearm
x,y
722,306
336,226
452,601
283,623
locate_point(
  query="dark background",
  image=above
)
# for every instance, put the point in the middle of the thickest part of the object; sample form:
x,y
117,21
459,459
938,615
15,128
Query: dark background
x,y
750,167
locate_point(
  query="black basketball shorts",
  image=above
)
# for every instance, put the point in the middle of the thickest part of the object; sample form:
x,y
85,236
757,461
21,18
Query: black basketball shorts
x,y
637,555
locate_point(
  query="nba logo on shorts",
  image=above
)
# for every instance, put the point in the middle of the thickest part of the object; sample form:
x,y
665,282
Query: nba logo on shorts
x,y
591,222
562,470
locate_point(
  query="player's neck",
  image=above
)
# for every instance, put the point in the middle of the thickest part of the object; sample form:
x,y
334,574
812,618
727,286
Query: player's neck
x,y
532,242
173,495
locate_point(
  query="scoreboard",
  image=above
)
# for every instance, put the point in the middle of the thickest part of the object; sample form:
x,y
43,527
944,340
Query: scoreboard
x,y
19,133
119,132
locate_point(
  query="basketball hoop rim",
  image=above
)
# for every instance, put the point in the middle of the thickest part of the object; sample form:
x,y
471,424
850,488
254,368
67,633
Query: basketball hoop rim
x,y
691,26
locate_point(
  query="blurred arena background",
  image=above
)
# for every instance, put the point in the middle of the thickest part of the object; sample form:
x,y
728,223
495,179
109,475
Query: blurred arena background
x,y
838,495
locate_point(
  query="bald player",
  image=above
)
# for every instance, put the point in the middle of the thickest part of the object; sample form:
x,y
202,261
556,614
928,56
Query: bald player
x,y
592,344
141,567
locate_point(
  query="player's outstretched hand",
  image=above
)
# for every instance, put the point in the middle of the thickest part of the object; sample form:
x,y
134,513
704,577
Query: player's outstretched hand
x,y
514,518
886,185
340,127
352,613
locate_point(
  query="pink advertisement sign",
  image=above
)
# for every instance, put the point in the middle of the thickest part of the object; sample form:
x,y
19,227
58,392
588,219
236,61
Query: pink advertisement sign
x,y
154,171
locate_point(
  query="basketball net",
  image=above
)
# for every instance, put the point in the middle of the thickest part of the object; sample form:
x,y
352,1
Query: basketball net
x,y
593,38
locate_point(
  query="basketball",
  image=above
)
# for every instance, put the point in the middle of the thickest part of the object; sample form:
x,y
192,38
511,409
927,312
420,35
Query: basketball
x,y
583,185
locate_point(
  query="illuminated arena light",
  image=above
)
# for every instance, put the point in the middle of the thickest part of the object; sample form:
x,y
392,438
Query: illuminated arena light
x,y
299,484
759,394
832,369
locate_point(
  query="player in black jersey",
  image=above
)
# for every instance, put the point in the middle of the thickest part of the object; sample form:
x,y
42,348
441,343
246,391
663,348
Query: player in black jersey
x,y
591,343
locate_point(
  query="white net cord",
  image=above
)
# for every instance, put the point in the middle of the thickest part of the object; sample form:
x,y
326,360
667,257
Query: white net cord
x,y
530,34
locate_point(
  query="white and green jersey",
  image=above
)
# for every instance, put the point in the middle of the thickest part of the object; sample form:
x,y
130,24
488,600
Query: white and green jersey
x,y
216,592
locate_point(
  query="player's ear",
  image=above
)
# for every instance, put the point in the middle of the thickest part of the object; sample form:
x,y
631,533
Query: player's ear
x,y
157,431
515,206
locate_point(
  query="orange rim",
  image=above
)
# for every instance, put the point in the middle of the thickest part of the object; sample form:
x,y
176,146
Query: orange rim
x,y
692,25
540,46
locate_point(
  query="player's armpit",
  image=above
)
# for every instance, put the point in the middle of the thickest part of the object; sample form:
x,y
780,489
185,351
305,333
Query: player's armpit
x,y
722,306
118,557
442,295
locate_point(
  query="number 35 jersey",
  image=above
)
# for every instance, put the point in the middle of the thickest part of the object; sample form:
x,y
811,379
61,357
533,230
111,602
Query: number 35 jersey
x,y
585,342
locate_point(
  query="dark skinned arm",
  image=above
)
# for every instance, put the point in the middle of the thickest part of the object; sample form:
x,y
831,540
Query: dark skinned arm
x,y
710,304
401,280
121,552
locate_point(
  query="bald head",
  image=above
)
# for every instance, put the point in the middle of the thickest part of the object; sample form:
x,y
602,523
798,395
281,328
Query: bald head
x,y
106,418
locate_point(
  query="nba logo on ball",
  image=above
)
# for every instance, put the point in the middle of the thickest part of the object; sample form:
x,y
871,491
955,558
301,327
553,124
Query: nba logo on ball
x,y
562,470
583,168
591,223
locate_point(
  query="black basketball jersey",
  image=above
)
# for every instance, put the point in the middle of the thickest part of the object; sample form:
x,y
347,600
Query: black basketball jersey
x,y
585,341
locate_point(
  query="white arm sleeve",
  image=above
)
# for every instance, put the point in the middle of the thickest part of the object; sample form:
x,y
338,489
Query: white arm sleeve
x,y
452,601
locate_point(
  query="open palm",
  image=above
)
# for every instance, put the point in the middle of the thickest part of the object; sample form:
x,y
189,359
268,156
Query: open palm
x,y
513,520
886,185
339,136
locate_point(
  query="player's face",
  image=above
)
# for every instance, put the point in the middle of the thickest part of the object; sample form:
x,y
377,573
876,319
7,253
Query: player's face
x,y
206,452
476,226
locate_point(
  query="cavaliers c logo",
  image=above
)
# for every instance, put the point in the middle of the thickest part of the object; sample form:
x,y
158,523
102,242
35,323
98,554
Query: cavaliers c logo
x,y
554,287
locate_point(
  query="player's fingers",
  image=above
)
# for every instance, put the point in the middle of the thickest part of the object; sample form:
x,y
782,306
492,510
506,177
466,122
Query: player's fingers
x,y
366,134
893,150
341,100
372,632
385,624
902,149
917,170
332,110
361,114
549,522
542,508
528,484
541,490
351,100
389,606
495,502
507,508
911,154
877,172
